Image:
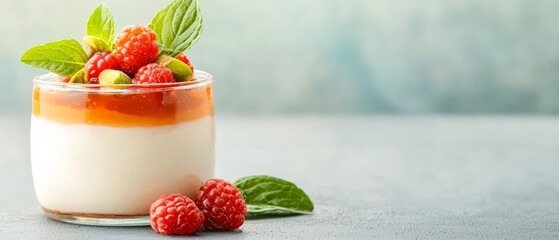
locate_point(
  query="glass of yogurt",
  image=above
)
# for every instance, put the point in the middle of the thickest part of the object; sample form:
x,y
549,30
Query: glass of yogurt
x,y
102,154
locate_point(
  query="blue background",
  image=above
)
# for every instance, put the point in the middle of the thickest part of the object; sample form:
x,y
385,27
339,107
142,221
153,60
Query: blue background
x,y
339,57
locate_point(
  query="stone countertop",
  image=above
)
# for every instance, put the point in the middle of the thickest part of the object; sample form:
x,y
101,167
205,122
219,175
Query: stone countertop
x,y
370,177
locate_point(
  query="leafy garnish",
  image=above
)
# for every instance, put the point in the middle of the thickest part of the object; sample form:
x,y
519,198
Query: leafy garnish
x,y
178,26
64,57
269,196
101,25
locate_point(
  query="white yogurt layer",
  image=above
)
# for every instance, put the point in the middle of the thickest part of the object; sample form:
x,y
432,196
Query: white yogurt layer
x,y
82,168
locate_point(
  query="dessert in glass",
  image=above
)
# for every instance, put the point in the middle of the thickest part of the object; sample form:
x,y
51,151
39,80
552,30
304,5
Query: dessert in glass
x,y
121,121
103,155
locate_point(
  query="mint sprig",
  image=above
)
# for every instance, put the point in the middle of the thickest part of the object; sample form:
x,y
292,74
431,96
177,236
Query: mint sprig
x,y
101,24
269,196
64,57
178,26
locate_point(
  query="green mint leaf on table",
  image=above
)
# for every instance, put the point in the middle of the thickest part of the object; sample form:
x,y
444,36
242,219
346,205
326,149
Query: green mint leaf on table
x,y
65,57
269,196
178,26
101,25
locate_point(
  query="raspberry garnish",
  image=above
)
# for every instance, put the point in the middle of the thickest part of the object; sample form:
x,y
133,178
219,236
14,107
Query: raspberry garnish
x,y
136,47
185,59
100,62
175,214
153,73
223,205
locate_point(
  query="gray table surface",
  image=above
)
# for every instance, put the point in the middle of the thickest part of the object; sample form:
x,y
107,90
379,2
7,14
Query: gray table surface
x,y
371,177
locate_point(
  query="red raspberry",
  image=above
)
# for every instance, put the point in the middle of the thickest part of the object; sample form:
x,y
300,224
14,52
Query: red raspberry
x,y
223,205
175,214
136,47
184,59
153,73
99,62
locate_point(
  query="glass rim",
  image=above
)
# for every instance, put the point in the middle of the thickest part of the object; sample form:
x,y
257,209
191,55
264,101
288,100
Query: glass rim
x,y
47,80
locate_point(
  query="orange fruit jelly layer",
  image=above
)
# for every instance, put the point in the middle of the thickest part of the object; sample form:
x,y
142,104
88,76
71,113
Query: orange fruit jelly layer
x,y
135,109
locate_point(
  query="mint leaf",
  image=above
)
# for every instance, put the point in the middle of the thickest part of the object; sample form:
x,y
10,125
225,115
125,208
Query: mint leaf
x,y
266,196
65,57
101,25
178,26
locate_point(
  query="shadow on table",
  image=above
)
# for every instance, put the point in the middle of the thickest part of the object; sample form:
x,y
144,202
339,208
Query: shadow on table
x,y
71,230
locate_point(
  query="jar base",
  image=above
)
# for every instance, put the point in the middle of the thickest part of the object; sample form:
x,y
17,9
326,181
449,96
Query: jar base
x,y
99,219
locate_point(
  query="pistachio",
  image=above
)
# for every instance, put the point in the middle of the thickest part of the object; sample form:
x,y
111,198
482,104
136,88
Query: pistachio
x,y
79,77
111,77
181,71
95,45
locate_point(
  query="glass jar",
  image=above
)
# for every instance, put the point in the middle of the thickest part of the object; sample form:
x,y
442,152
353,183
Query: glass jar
x,y
102,154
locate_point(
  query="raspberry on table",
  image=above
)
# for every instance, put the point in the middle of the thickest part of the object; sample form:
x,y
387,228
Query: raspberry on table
x,y
99,62
135,47
185,60
175,214
223,205
153,73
